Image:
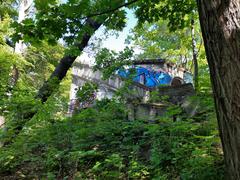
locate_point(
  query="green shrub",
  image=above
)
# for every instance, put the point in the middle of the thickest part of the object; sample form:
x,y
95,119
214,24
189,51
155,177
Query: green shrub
x,y
99,143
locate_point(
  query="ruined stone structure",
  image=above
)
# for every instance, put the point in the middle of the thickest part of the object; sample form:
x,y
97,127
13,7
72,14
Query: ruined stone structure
x,y
82,72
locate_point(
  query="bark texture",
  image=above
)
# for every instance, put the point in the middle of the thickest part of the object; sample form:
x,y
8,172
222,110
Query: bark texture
x,y
220,23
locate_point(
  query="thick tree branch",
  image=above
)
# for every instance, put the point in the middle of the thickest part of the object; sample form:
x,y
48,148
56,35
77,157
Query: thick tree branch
x,y
58,74
66,62
110,10
157,61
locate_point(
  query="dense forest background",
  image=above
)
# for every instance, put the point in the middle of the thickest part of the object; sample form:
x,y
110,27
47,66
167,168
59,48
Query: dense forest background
x,y
40,141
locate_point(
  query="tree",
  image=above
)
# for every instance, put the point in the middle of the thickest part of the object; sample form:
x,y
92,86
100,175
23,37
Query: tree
x,y
76,22
7,7
155,40
66,62
221,34
181,18
8,60
194,56
181,46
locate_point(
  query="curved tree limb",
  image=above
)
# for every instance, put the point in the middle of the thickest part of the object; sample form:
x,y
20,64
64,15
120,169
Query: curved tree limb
x,y
65,63
110,10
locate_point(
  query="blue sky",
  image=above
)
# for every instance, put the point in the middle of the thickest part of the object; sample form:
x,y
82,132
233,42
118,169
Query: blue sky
x,y
116,43
113,42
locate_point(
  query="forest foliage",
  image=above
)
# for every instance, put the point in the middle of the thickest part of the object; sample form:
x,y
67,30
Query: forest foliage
x,y
100,142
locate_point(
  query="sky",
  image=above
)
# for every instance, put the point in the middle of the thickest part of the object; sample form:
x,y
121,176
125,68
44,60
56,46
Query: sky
x,y
113,42
117,43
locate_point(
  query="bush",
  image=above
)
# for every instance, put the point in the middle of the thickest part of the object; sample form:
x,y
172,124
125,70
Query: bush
x,y
99,143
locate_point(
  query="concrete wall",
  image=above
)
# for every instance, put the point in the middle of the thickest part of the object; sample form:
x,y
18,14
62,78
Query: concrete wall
x,y
83,72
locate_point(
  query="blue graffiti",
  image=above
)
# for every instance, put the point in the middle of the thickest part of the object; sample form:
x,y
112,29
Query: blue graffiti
x,y
147,77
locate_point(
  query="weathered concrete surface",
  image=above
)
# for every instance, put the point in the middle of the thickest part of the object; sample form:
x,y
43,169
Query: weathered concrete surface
x,y
83,73
191,106
177,94
150,111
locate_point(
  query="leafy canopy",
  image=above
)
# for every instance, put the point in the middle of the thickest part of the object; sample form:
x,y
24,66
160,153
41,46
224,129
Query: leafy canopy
x,y
177,12
54,21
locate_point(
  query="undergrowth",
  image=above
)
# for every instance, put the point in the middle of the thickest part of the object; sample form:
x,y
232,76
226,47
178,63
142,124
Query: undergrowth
x,y
100,143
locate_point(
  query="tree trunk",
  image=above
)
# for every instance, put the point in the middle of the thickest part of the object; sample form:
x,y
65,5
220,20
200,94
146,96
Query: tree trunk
x,y
66,62
220,23
58,74
195,61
